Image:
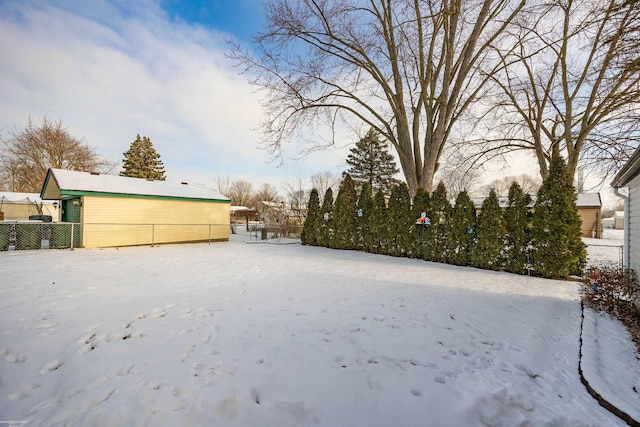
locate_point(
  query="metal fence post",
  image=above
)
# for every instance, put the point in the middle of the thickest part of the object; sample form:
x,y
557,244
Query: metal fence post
x,y
621,251
153,234
72,234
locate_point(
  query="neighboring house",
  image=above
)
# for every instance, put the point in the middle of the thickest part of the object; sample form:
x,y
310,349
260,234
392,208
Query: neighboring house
x,y
242,215
273,213
20,206
615,222
289,219
629,177
618,220
608,223
122,211
589,209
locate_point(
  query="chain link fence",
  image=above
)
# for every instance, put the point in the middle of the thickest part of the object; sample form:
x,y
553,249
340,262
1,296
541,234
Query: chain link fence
x,y
605,256
27,235
273,232
30,235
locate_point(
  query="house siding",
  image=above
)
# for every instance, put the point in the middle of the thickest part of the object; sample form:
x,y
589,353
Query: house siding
x,y
591,222
634,223
128,221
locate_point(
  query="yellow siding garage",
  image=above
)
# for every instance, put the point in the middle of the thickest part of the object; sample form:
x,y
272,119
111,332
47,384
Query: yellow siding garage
x,y
121,211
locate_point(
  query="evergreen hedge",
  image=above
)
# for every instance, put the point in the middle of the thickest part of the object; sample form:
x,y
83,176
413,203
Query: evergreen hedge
x,y
546,242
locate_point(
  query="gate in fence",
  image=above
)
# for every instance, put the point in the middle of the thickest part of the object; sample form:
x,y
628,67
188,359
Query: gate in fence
x,y
605,256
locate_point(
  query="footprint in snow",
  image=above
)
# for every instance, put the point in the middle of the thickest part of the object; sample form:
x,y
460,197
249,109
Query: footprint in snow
x,y
187,351
54,365
15,358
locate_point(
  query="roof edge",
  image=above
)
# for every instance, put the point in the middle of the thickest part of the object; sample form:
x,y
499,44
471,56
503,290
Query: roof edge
x,y
139,196
629,171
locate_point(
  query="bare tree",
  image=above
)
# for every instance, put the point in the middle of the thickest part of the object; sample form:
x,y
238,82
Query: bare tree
x,y
296,192
223,184
572,81
240,193
457,180
321,181
457,176
529,185
406,68
26,155
266,193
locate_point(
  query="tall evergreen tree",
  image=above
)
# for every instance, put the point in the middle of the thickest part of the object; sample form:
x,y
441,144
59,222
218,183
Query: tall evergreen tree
x,y
345,215
371,162
308,235
365,206
142,161
463,219
488,248
399,220
517,222
420,205
436,235
378,225
324,220
557,247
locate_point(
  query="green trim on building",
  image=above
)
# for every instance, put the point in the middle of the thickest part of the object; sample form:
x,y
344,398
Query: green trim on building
x,y
137,196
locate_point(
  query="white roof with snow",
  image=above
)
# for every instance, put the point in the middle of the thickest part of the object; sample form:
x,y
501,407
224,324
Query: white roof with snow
x,y
588,200
73,183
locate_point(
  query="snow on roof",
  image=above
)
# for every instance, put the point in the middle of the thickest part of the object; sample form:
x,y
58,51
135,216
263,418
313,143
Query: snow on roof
x,y
21,198
618,214
91,182
588,200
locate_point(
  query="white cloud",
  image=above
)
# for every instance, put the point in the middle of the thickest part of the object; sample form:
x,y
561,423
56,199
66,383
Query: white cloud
x,y
112,69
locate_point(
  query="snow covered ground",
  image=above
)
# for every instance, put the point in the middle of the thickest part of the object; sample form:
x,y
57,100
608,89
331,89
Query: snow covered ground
x,y
254,334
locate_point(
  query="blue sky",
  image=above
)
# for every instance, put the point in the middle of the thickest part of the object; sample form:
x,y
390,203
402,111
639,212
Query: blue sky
x,y
241,18
109,69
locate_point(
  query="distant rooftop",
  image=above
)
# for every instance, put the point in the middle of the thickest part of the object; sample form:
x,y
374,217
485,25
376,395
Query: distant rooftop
x,y
584,200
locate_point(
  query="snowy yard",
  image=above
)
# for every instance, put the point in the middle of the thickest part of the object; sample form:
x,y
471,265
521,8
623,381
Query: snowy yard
x,y
239,334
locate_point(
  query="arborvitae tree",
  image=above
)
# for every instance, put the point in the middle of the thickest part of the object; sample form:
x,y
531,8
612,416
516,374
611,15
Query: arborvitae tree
x,y
463,219
324,220
557,247
436,234
142,161
488,248
399,220
365,206
377,242
517,222
420,205
308,235
370,162
345,215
